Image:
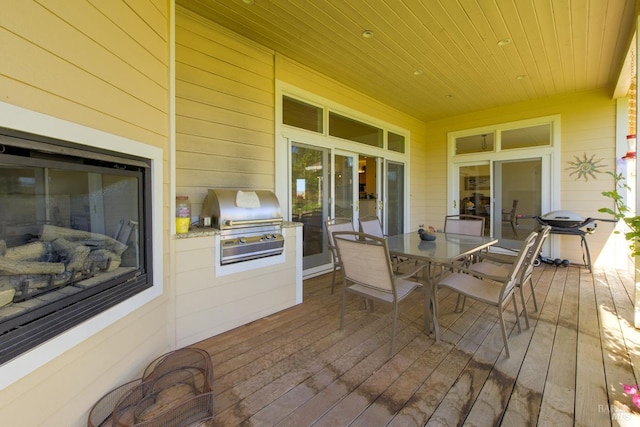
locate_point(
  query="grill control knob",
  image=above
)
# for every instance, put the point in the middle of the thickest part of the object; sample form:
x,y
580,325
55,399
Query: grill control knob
x,y
242,240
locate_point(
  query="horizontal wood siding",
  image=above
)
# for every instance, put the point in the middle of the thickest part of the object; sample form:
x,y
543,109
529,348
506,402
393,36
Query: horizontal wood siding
x,y
207,305
104,65
224,110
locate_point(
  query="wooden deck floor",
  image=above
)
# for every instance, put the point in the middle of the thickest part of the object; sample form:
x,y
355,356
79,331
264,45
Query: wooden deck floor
x,y
296,368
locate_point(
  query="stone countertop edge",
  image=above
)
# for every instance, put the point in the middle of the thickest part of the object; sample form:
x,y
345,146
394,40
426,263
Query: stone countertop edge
x,y
197,231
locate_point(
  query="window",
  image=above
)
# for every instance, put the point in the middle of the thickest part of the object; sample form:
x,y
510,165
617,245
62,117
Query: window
x,y
395,142
301,115
353,130
534,136
475,143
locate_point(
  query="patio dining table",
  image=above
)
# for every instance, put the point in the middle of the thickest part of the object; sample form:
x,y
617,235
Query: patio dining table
x,y
445,249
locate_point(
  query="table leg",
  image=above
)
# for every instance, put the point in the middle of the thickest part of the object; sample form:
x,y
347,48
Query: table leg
x,y
430,301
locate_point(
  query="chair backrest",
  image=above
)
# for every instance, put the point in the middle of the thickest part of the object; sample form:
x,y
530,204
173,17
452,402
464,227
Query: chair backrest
x,y
543,233
365,260
371,225
508,215
337,224
520,262
472,225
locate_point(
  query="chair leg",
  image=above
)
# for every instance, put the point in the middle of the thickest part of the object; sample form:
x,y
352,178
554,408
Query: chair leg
x,y
504,332
344,303
434,302
515,309
393,328
524,306
463,299
333,279
533,295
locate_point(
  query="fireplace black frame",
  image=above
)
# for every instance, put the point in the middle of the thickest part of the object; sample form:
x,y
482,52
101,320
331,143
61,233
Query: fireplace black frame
x,y
23,332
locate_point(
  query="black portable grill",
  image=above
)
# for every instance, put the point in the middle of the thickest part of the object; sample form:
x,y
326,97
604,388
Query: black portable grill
x,y
572,224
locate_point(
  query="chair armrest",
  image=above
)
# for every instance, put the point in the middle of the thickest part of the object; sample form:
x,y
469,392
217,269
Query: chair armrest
x,y
496,258
415,270
479,275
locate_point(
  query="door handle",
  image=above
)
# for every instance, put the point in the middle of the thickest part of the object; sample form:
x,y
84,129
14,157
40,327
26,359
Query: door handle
x,y
454,204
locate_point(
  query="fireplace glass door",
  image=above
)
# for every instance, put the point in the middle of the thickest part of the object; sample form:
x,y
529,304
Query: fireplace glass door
x,y
73,237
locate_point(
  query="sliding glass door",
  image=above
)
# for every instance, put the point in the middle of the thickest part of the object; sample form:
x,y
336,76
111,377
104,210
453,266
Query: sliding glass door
x,y
508,194
518,197
310,200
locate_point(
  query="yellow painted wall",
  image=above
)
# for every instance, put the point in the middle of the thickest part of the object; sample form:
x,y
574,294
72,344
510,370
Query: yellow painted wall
x,y
104,65
224,110
587,123
209,303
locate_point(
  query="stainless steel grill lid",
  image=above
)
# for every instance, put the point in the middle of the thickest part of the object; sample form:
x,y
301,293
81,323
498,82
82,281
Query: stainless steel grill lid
x,y
232,208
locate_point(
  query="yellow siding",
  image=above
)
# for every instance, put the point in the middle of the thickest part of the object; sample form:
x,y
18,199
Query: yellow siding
x,y
76,64
103,65
207,305
587,123
224,111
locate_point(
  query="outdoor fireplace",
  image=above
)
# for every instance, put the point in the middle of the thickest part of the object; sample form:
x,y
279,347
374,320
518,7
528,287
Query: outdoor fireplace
x,y
75,235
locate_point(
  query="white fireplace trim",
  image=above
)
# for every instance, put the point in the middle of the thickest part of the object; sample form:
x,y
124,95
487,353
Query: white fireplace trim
x,y
21,119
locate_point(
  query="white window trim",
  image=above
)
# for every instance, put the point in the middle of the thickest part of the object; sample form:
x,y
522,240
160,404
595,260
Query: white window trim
x,y
551,152
284,135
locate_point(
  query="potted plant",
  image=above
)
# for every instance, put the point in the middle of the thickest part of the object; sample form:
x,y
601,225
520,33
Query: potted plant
x,y
621,211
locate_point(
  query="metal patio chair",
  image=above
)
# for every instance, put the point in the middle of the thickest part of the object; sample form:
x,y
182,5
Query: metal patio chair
x,y
368,272
499,265
489,289
333,225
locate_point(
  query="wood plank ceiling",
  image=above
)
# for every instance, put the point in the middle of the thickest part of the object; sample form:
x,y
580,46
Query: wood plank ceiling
x,y
438,58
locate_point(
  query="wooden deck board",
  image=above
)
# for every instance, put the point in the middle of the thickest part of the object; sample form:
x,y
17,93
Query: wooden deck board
x,y
557,394
591,385
297,368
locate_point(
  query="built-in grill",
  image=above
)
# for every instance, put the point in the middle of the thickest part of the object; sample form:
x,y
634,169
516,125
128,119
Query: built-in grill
x,y
250,223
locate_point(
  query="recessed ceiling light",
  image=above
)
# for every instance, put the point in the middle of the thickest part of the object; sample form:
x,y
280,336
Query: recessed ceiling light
x,y
504,42
521,77
367,34
448,96
418,72
248,1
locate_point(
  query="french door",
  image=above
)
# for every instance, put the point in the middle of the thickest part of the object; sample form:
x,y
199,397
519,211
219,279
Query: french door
x,y
310,183
394,213
335,183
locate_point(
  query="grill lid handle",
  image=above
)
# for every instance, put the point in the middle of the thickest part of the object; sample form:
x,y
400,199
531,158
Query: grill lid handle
x,y
232,223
